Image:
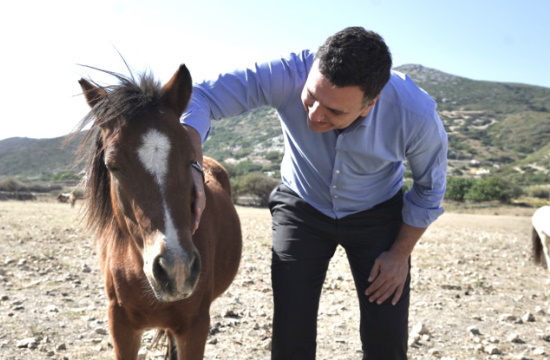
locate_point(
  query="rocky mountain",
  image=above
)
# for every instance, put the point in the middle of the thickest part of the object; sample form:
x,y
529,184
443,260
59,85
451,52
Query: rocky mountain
x,y
37,158
493,127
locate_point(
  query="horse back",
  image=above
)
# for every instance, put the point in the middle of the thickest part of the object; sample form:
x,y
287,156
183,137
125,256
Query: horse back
x,y
215,172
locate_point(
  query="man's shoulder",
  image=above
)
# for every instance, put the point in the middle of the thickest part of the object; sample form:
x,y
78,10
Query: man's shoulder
x,y
403,92
302,59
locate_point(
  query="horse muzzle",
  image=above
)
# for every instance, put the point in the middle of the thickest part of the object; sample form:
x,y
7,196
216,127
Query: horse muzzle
x,y
173,273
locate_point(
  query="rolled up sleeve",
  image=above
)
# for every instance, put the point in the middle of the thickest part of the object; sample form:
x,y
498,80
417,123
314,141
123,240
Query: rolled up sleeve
x,y
264,84
428,163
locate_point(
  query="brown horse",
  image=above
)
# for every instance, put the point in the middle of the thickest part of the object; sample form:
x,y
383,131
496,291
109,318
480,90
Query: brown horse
x,y
139,198
67,198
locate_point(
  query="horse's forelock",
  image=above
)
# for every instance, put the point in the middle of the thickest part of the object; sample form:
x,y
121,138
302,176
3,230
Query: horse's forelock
x,y
127,99
123,100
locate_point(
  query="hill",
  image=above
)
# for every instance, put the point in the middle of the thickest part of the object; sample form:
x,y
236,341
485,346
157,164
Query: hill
x,y
493,127
37,158
499,122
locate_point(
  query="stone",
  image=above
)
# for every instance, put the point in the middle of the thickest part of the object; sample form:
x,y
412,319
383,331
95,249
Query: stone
x,y
473,330
30,343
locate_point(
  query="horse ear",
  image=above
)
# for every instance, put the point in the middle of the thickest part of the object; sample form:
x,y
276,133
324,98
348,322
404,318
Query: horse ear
x,y
177,92
92,93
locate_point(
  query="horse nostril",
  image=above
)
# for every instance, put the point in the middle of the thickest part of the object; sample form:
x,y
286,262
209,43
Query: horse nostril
x,y
159,270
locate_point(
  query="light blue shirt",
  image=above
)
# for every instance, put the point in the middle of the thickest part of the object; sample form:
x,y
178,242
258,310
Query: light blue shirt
x,y
340,173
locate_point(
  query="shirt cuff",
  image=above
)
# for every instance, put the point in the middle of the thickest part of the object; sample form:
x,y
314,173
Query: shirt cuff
x,y
418,216
198,123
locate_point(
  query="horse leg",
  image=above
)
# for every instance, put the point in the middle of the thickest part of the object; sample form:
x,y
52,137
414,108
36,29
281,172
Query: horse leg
x,y
545,240
172,351
192,341
126,340
536,247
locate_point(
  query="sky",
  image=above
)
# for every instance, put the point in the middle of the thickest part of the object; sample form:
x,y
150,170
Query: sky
x,y
43,43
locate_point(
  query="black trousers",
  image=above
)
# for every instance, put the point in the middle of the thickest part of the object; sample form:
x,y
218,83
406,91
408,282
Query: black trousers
x,y
304,241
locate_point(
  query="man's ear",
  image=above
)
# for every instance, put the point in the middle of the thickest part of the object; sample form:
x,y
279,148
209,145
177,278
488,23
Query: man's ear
x,y
369,106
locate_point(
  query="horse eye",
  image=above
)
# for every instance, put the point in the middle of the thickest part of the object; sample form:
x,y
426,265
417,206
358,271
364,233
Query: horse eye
x,y
112,167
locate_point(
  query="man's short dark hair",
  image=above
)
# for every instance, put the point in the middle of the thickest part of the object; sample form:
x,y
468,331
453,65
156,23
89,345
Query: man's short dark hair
x,y
356,57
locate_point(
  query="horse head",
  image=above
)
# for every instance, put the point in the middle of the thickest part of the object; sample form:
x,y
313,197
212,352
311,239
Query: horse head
x,y
143,177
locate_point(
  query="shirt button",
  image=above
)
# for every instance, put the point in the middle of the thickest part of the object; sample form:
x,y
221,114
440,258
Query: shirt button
x,y
334,186
336,196
338,171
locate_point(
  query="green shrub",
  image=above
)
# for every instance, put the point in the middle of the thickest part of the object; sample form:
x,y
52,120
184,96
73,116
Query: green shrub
x,y
493,188
256,184
540,192
10,184
458,187
247,166
407,185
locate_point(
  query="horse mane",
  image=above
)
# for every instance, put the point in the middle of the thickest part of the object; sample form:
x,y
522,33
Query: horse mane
x,y
121,104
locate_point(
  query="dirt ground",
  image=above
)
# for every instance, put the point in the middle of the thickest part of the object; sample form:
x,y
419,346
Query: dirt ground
x,y
475,292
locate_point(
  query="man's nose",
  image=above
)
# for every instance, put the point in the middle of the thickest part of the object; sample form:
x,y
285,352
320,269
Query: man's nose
x,y
316,112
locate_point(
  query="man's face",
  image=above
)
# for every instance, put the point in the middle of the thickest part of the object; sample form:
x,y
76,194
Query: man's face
x,y
329,107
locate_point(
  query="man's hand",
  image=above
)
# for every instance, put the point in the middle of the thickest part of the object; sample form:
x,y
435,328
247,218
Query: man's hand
x,y
388,277
200,199
390,270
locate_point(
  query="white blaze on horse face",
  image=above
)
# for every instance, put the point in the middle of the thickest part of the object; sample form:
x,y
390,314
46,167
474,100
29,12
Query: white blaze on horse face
x,y
163,254
154,153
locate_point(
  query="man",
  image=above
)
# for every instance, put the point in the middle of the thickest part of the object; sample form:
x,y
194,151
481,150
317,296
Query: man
x,y
349,124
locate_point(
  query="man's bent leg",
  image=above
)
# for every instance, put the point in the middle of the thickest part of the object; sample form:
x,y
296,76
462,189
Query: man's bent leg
x,y
296,293
300,259
383,328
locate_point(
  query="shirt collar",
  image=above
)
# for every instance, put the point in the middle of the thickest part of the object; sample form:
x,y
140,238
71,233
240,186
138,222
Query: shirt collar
x,y
363,121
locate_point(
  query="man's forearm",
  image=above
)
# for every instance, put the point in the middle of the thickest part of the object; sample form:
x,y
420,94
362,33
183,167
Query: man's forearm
x,y
406,240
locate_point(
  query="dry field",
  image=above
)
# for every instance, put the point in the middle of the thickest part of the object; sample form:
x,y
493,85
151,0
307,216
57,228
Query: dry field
x,y
476,295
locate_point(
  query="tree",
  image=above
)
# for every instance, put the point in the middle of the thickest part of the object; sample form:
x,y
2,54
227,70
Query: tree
x,y
458,187
11,184
246,167
256,184
493,188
